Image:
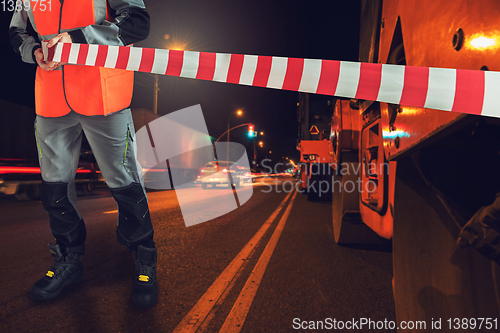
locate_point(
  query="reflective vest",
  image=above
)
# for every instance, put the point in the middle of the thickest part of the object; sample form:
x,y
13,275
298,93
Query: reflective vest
x,y
86,90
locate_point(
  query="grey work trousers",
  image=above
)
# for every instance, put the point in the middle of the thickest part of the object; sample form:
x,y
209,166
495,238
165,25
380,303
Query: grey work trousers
x,y
112,140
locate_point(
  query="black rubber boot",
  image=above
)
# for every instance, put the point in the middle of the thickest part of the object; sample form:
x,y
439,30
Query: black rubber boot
x,y
145,287
67,268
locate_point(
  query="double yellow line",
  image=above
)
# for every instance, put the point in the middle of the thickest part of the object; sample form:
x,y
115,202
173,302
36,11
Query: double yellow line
x,y
199,314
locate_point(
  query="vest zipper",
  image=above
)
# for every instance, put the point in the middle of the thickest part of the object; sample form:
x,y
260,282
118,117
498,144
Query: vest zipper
x,y
60,15
62,67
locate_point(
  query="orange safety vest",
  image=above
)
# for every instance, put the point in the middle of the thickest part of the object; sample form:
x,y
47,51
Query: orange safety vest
x,y
86,90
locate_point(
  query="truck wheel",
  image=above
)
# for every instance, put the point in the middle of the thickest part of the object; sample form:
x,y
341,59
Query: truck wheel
x,y
433,278
312,188
304,178
303,188
348,228
204,186
320,186
345,203
88,188
28,192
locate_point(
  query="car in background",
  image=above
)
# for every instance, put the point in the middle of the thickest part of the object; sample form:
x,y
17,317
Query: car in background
x,y
22,178
246,173
221,173
258,173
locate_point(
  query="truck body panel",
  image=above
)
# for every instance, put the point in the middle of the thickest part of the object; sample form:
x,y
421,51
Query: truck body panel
x,y
423,173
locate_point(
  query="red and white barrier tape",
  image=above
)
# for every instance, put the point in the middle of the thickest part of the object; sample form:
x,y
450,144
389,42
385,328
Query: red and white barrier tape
x,y
466,91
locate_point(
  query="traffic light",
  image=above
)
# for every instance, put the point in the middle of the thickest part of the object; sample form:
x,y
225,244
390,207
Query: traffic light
x,y
251,131
261,143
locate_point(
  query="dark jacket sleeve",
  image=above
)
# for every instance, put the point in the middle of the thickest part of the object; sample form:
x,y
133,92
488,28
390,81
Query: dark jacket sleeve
x,y
131,25
21,41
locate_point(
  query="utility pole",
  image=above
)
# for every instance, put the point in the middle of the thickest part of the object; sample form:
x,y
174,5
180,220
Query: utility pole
x,y
254,151
155,99
228,130
238,113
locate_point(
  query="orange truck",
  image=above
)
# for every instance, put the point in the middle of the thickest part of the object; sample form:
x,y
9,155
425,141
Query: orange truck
x,y
314,113
415,176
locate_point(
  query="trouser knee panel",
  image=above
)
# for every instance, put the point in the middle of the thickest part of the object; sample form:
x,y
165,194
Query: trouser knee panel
x,y
65,223
134,222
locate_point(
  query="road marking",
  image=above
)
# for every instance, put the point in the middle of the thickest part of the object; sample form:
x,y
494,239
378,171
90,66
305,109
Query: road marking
x,y
112,211
193,320
236,318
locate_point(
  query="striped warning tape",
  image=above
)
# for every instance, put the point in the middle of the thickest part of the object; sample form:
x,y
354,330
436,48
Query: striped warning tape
x,y
459,90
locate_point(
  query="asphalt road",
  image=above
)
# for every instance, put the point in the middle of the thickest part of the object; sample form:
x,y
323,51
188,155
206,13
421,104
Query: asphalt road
x,y
269,266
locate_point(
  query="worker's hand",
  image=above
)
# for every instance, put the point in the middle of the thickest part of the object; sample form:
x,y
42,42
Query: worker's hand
x,y
61,38
48,66
51,65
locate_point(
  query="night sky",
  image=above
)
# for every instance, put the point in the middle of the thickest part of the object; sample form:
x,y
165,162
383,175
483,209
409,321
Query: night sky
x,y
293,28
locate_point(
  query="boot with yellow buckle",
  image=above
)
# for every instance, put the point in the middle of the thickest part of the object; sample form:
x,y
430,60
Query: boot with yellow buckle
x,y
67,268
145,287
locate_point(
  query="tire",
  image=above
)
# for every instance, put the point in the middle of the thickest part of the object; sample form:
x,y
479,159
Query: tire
x,y
312,191
28,192
204,186
320,183
303,190
348,227
303,179
88,188
345,205
433,278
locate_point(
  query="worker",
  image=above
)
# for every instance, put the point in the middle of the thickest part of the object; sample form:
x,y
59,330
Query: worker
x,y
70,99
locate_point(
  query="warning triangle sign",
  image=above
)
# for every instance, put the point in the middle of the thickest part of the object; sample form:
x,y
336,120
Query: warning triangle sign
x,y
314,130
